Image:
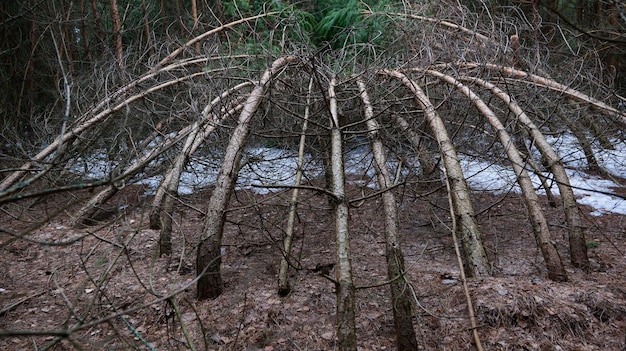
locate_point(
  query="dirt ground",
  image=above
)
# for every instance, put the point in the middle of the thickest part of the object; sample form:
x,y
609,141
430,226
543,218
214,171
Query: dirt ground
x,y
106,284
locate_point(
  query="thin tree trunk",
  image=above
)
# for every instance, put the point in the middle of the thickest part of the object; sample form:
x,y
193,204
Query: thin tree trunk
x,y
430,167
471,238
164,18
521,144
283,275
585,145
31,70
166,219
179,16
556,271
542,178
345,290
87,213
396,272
161,212
208,259
69,46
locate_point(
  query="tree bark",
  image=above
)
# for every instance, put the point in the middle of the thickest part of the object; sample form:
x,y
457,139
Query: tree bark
x,y
165,224
116,26
396,272
283,275
345,290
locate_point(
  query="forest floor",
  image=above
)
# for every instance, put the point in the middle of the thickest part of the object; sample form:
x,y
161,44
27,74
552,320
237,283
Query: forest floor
x,y
107,285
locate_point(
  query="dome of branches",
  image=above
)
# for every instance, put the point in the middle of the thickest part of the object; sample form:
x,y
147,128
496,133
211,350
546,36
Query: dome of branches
x,y
360,101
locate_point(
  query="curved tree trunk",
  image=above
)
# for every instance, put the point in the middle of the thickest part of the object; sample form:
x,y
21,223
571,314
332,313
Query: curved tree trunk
x,y
477,263
345,290
556,271
210,120
170,183
8,186
90,210
396,272
537,170
585,145
577,243
620,117
208,259
161,213
599,133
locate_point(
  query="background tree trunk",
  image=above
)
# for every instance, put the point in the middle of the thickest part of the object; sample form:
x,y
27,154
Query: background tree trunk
x,y
146,27
84,33
194,17
97,25
117,34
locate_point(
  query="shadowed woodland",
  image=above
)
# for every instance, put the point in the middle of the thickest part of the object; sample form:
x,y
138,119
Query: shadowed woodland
x,y
253,175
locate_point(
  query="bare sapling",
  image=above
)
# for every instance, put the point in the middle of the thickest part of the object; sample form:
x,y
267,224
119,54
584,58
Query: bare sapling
x,y
345,289
283,274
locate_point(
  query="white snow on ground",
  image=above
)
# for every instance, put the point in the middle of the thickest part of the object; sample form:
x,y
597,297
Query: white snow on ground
x,y
483,175
263,167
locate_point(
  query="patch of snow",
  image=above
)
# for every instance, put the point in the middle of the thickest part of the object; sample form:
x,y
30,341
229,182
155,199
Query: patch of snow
x,y
277,167
589,190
